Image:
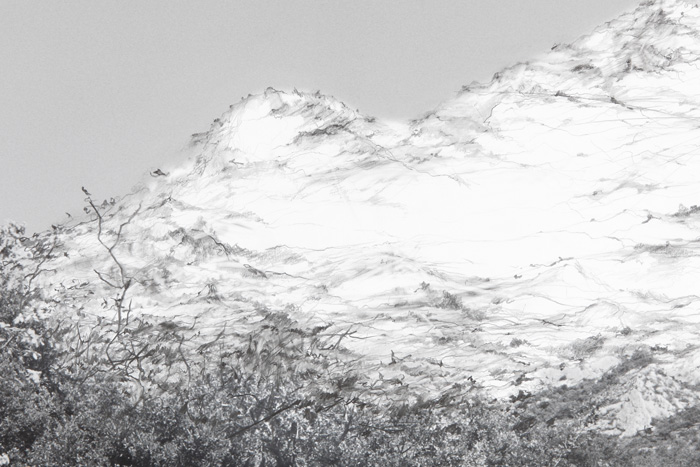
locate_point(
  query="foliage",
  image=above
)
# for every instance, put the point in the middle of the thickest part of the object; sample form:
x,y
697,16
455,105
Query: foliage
x,y
285,397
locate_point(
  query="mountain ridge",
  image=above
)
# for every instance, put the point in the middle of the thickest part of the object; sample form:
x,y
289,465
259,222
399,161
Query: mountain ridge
x,y
527,233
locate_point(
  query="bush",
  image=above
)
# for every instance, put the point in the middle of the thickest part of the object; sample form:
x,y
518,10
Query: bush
x,y
286,397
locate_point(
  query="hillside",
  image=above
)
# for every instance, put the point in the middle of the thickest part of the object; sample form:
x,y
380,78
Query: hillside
x,y
531,233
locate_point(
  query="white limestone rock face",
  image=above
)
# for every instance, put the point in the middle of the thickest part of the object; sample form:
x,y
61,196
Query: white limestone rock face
x,y
531,231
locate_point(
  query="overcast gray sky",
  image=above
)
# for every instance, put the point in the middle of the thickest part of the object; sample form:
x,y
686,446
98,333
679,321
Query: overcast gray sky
x,y
96,93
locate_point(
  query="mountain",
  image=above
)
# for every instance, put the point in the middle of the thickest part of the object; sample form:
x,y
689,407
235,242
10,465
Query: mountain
x,y
532,232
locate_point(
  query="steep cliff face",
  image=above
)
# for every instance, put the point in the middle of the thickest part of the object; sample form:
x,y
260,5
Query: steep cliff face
x,y
530,232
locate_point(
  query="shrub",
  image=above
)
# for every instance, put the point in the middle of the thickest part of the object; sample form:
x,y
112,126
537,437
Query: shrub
x,y
288,396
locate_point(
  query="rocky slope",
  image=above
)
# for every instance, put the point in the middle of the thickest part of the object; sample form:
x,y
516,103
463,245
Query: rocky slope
x,y
531,232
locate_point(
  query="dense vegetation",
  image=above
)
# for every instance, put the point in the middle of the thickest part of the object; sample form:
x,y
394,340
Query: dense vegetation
x,y
281,399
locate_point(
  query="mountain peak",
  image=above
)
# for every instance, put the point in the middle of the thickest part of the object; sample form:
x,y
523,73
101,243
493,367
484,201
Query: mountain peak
x,y
259,126
656,35
638,49
294,112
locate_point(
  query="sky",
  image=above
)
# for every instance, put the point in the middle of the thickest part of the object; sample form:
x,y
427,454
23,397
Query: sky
x,y
98,93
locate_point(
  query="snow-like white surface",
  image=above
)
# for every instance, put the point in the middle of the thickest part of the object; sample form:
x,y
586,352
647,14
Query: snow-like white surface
x,y
554,205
